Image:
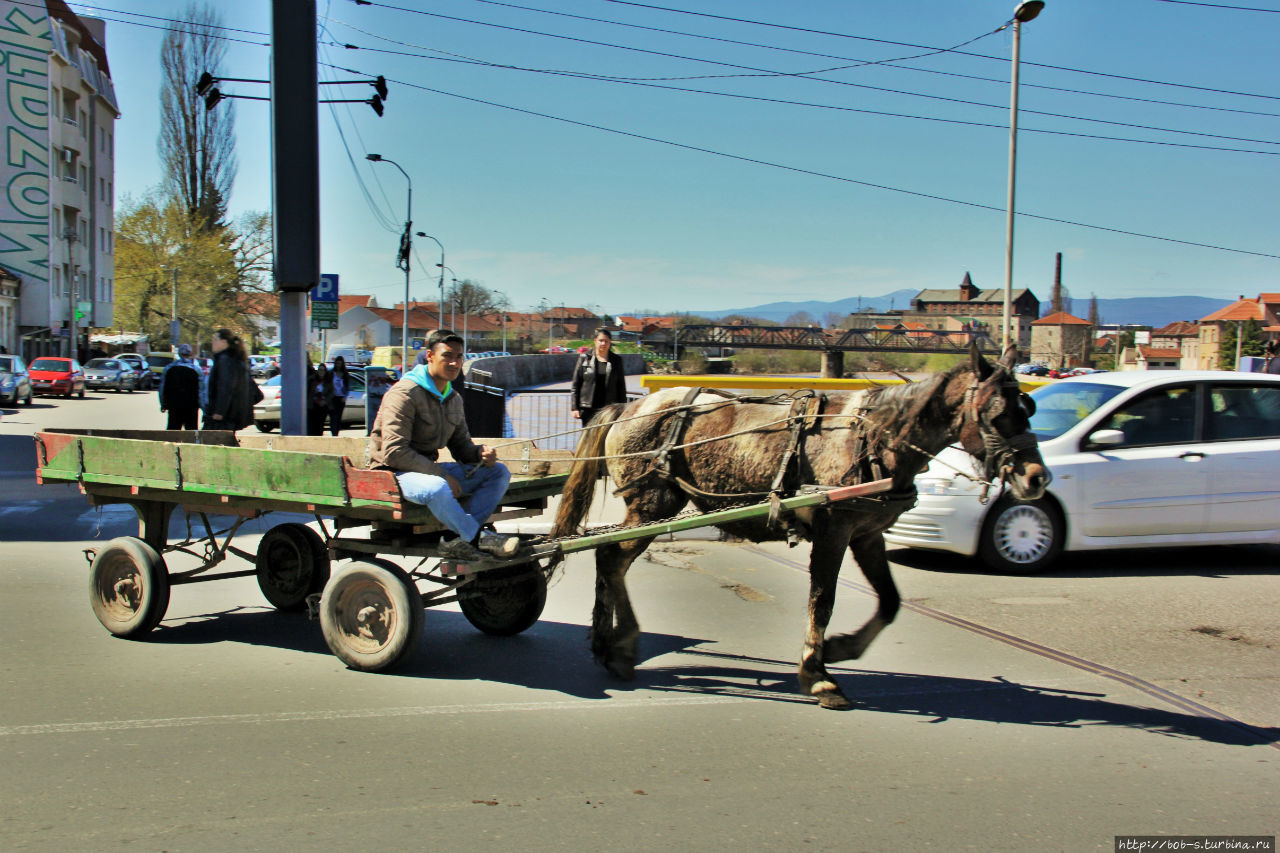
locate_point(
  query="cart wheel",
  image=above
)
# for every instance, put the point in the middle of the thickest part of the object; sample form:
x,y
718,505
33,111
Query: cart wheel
x,y
503,602
371,615
292,563
129,587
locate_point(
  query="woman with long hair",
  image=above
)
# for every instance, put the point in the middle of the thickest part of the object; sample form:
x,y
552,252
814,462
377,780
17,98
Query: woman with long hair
x,y
336,385
231,387
598,378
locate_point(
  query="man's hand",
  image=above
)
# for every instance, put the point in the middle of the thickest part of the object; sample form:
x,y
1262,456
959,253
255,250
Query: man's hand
x,y
577,415
454,486
488,455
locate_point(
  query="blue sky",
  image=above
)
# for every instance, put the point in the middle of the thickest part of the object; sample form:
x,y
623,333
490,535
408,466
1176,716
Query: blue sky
x,y
545,207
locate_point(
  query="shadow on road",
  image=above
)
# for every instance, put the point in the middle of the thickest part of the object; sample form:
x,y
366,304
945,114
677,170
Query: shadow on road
x,y
554,656
1146,562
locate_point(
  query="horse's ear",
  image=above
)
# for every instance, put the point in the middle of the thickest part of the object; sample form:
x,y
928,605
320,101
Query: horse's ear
x,y
1010,357
979,364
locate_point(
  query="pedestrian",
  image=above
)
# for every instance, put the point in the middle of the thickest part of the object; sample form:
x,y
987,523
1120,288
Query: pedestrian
x,y
232,391
599,379
1273,357
422,413
338,383
317,378
182,390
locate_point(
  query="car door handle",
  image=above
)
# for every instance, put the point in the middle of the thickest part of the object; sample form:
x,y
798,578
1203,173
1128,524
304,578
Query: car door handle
x,y
1192,454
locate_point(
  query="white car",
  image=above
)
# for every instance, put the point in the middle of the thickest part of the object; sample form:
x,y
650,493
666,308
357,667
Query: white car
x,y
1140,459
266,412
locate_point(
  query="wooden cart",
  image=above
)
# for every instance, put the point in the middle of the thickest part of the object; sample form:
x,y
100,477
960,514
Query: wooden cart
x,y
371,610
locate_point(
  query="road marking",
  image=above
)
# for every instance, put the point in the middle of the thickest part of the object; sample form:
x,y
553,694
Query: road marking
x,y
613,704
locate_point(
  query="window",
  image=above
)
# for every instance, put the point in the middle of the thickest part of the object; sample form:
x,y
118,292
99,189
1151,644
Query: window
x,y
56,283
1237,410
1164,416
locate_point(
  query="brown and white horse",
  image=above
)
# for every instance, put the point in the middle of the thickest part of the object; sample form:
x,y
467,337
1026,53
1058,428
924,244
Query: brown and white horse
x,y
671,448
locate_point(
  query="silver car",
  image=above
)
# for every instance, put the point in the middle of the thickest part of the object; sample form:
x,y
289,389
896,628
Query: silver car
x,y
110,374
266,414
15,382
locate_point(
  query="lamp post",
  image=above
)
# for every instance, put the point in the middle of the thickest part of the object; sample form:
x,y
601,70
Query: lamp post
x,y
406,247
453,303
441,265
1025,11
504,306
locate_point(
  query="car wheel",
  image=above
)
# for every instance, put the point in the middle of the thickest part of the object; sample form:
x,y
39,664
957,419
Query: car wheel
x,y
264,426
29,396
81,392
1022,537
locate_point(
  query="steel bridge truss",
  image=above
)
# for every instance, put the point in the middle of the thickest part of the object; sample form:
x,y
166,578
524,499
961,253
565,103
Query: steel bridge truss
x,y
843,340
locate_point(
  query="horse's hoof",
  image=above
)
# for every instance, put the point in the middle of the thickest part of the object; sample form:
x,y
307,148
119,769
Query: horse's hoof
x,y
834,702
624,670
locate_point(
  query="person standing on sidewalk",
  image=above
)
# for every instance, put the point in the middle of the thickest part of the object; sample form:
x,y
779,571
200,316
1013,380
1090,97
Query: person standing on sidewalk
x,y
421,414
598,378
180,395
336,385
232,391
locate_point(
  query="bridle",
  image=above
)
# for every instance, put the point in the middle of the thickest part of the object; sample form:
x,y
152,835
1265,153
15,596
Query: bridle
x,y
999,452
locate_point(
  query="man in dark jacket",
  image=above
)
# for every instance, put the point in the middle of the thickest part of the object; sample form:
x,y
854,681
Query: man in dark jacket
x,y
180,390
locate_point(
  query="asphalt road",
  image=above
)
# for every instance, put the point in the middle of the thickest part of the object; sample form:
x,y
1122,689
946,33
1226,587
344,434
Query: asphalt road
x,y
997,713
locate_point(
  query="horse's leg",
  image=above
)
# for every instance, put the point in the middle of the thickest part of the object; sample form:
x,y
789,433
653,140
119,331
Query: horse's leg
x,y
614,630
870,553
824,571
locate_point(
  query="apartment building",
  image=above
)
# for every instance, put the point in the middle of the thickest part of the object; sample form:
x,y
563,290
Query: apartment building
x,y
57,129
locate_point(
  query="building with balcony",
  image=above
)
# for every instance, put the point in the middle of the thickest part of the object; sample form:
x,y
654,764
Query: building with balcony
x,y
57,219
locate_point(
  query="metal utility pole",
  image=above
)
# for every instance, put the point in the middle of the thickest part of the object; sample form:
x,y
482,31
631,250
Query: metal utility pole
x,y
295,193
175,328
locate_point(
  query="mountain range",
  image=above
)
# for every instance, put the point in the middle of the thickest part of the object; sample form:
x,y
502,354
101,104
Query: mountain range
x,y
1154,311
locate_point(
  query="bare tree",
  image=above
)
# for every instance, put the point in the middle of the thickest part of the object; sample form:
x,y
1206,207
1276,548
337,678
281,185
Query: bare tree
x,y
197,145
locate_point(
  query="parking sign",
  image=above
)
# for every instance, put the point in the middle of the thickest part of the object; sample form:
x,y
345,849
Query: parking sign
x,y
326,290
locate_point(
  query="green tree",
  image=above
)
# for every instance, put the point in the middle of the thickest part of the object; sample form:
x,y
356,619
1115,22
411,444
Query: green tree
x,y
1251,342
197,145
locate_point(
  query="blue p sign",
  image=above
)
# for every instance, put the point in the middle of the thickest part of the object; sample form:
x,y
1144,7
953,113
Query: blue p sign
x,y
326,290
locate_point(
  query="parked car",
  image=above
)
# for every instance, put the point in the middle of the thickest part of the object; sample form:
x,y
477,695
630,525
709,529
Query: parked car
x,y
139,365
110,373
1032,369
15,381
156,363
260,365
56,375
266,413
555,349
1140,459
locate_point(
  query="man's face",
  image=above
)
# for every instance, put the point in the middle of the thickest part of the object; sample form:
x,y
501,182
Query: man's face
x,y
444,361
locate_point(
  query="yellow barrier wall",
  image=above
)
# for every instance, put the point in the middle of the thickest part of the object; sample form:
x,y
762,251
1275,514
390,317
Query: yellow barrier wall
x,y
653,382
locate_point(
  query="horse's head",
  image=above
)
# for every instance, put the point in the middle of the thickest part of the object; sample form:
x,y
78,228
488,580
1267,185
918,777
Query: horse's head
x,y
995,426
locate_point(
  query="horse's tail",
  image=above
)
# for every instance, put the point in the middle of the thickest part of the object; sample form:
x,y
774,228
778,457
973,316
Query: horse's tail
x,y
580,488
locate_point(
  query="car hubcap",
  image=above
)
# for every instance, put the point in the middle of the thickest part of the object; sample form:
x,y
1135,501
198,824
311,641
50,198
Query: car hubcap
x,y
1023,534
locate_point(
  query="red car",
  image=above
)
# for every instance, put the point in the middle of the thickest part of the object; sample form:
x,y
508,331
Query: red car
x,y
52,375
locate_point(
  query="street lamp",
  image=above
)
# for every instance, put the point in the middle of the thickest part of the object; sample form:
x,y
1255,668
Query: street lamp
x,y
406,246
453,303
441,265
1025,11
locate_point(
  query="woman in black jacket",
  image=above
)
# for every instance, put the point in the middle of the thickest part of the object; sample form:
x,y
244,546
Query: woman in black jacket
x,y
598,378
231,388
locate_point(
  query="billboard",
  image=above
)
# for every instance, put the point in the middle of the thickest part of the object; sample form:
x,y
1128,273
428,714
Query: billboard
x,y
25,43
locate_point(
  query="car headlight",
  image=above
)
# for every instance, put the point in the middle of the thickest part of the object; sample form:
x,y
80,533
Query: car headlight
x,y
945,486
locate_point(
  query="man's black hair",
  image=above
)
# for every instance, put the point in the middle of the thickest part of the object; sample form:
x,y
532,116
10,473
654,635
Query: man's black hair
x,y
442,336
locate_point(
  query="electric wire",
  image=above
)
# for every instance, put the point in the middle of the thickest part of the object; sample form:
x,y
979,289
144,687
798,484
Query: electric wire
x,y
818,174
1221,6
452,57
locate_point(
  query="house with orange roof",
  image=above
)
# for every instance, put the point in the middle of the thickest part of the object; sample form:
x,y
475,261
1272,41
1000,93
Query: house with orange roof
x,y
1182,335
1237,314
1061,340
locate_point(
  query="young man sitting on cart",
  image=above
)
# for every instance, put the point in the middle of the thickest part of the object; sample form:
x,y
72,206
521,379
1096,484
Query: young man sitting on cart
x,y
421,414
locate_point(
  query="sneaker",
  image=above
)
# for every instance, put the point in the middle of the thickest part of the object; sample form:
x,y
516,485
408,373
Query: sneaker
x,y
459,549
499,544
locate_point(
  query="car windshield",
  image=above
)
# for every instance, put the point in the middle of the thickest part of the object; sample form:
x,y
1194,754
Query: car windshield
x,y
159,360
1062,405
106,363
51,364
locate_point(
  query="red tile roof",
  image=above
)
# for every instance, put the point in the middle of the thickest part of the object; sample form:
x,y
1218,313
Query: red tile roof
x,y
1158,352
1244,309
1062,318
1178,328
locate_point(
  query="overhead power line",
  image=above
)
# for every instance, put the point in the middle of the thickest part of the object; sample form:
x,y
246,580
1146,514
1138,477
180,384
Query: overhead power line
x,y
814,173
1221,6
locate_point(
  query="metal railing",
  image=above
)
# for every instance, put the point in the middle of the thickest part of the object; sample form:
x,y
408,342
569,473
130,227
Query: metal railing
x,y
545,415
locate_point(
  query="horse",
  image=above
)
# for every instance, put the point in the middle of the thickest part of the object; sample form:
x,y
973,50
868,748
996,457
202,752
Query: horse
x,y
714,450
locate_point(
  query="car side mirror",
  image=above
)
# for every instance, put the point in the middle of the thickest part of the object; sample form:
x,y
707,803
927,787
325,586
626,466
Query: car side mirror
x,y
1105,438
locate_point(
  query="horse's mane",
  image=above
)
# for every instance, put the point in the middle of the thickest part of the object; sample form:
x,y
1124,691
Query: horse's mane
x,y
891,412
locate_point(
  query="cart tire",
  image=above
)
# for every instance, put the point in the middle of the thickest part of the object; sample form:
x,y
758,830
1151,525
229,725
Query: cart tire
x,y
503,602
264,426
292,563
371,615
129,587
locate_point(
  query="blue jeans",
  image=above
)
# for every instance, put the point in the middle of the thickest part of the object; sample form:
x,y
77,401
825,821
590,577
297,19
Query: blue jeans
x,y
482,491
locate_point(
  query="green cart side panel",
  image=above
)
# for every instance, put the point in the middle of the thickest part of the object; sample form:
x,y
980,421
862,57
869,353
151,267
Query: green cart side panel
x,y
280,475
